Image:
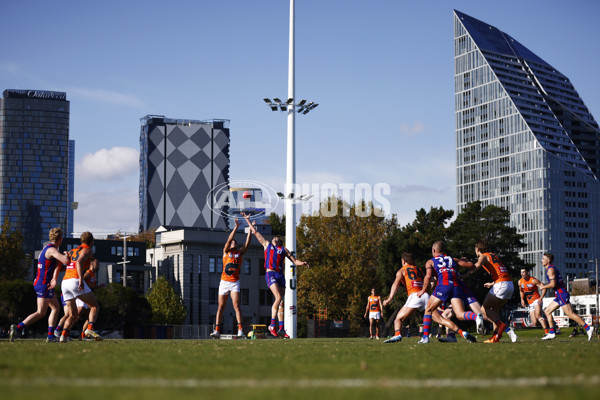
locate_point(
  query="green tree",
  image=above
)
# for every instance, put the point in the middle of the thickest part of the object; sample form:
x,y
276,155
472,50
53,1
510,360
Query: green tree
x,y
17,301
166,306
342,250
121,307
277,224
12,255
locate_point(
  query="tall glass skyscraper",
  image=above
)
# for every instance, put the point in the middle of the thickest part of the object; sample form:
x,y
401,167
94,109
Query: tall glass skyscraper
x,y
526,141
34,163
181,161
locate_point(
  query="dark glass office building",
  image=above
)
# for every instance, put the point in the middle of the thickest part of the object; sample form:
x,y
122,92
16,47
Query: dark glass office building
x,y
526,141
34,163
181,161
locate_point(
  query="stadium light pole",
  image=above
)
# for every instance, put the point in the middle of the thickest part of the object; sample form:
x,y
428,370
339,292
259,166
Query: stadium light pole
x,y
291,108
597,322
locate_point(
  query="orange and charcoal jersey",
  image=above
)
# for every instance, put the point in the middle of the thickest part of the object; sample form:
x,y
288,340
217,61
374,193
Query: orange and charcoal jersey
x,y
412,279
74,255
530,289
495,268
232,260
374,304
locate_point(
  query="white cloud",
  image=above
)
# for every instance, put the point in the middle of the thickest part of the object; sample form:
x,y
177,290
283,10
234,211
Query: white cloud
x,y
104,212
411,130
107,96
108,164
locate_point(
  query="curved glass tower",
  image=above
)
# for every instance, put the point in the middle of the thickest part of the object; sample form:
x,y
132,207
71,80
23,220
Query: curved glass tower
x,y
526,141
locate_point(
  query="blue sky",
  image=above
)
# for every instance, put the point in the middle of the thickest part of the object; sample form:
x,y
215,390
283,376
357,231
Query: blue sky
x,y
381,71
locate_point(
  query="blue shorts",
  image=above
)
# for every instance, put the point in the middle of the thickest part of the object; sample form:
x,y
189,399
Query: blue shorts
x,y
43,292
277,277
562,298
468,296
447,292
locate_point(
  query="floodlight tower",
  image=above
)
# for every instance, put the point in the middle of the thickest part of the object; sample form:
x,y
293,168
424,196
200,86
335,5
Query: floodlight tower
x,y
291,108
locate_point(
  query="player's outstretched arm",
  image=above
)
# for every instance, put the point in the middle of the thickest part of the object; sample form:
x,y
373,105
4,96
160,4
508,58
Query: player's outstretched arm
x,y
231,236
294,260
247,244
260,237
394,288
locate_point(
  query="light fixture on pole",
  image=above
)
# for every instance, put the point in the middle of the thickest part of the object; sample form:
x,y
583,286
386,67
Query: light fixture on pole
x,y
597,321
291,108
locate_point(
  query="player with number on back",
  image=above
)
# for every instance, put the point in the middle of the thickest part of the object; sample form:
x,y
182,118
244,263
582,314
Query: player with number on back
x,y
447,289
412,278
275,255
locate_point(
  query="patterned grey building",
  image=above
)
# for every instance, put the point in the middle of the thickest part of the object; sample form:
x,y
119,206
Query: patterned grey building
x,y
526,141
181,161
34,163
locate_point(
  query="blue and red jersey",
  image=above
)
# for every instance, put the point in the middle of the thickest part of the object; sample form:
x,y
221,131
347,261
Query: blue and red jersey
x,y
560,284
445,267
45,267
274,257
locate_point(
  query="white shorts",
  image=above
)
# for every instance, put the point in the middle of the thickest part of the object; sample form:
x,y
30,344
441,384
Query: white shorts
x,y
533,305
81,304
70,289
374,315
503,290
225,287
417,302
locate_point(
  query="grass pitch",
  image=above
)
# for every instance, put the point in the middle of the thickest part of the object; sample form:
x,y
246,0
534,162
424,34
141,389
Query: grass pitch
x,y
302,368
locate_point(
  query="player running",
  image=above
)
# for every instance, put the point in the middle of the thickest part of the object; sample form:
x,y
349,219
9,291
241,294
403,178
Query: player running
x,y
412,278
74,287
500,290
447,289
375,312
562,298
531,298
275,255
230,280
44,283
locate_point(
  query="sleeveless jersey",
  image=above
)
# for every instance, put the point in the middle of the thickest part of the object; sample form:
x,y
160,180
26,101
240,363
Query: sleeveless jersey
x,y
412,279
445,267
560,284
374,304
497,270
530,289
232,260
274,257
45,267
92,280
74,256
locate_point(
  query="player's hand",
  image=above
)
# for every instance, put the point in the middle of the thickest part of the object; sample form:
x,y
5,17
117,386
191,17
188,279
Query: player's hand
x,y
488,284
386,302
52,284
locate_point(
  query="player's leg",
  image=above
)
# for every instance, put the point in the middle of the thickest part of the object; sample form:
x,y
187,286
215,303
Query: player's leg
x,y
235,300
72,316
553,306
432,304
52,318
90,299
278,299
222,302
569,312
404,313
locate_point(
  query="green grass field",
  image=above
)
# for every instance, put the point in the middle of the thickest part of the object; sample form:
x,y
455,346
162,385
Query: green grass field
x,y
302,368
